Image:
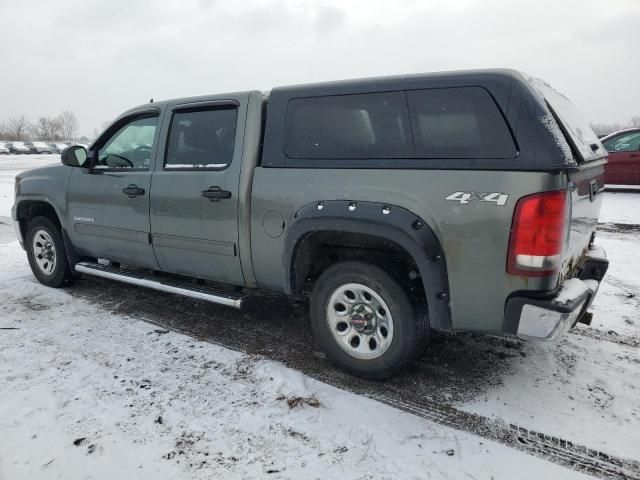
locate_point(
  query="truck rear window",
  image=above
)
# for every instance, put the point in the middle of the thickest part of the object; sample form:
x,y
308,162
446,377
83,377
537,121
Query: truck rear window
x,y
461,122
577,129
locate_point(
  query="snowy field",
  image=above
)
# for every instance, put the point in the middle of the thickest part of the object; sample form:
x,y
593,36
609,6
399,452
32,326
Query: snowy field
x,y
91,387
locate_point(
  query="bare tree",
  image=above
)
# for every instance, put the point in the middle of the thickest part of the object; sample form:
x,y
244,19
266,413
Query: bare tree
x,y
17,127
4,134
602,129
55,127
49,128
635,121
69,124
98,131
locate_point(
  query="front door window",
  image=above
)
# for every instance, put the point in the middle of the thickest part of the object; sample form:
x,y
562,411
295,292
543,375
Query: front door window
x,y
130,146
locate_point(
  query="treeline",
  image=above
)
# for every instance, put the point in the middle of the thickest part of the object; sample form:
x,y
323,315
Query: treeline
x,y
63,127
602,129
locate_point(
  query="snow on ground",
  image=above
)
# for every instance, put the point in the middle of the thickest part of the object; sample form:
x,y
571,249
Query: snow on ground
x,y
617,305
621,208
88,394
581,389
10,166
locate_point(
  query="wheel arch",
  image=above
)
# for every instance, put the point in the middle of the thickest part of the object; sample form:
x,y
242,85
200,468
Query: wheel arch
x,y
31,208
369,224
28,209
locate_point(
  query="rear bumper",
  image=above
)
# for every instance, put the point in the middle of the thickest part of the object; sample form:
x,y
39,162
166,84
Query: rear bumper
x,y
533,316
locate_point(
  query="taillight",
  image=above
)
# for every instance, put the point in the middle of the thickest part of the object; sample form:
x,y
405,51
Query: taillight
x,y
538,234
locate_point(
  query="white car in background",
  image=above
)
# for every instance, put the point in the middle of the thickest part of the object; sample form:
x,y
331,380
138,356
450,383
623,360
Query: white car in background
x,y
4,149
58,147
39,147
18,147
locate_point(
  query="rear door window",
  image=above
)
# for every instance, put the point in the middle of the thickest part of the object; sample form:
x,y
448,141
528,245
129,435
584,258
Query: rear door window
x,y
372,125
202,138
461,122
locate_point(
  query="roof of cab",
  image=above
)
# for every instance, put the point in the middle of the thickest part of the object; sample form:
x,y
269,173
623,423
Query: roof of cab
x,y
199,98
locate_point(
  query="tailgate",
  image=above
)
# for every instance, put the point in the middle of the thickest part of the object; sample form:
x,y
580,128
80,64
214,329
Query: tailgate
x,y
585,185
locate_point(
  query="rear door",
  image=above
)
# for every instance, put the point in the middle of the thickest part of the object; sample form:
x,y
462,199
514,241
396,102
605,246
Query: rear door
x,y
624,159
109,203
194,196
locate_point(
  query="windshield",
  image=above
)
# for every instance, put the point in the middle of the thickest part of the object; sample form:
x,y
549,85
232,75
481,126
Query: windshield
x,y
580,133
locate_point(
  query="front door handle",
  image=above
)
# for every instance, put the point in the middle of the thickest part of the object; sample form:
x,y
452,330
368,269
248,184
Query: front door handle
x,y
215,194
133,191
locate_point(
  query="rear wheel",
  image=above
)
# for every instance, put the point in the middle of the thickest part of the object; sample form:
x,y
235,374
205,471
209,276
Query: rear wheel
x,y
46,253
364,321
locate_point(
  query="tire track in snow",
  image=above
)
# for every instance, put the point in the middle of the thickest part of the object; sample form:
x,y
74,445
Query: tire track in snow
x,y
287,341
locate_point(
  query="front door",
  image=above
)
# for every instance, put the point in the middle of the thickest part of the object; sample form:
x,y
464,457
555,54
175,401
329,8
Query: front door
x,y
194,193
109,202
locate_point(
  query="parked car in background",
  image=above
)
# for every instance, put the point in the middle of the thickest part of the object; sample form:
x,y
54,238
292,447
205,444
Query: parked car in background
x,y
39,147
58,147
18,147
624,157
4,149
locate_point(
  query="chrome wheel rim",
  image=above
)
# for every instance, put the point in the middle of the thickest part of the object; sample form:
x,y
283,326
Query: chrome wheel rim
x,y
44,252
360,321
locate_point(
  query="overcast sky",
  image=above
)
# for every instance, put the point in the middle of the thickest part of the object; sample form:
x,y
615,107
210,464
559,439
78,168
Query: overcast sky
x,y
99,58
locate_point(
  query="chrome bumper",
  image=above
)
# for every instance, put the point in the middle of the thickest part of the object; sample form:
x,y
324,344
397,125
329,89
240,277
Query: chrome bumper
x,y
547,318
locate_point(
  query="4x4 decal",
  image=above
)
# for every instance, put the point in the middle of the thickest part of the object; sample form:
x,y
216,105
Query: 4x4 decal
x,y
498,198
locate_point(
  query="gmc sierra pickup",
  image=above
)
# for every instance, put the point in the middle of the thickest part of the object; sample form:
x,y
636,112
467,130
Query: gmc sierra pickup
x,y
461,201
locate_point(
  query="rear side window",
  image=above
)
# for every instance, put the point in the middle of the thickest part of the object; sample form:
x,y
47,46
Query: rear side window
x,y
461,122
372,125
201,138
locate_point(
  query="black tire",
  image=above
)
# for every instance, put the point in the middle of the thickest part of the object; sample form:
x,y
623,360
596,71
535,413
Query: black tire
x,y
410,329
60,274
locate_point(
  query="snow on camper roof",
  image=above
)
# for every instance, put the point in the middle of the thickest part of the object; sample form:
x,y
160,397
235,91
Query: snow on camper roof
x,y
580,134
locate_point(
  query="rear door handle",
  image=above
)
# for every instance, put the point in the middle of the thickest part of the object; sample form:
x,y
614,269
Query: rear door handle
x,y
215,194
635,155
133,191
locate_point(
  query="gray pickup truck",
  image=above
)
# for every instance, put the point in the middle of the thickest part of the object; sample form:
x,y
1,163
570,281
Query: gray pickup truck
x,y
461,201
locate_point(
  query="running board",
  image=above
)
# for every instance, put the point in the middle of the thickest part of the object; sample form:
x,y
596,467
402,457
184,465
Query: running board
x,y
141,279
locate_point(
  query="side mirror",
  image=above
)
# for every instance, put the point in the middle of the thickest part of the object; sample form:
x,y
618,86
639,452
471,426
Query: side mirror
x,y
74,156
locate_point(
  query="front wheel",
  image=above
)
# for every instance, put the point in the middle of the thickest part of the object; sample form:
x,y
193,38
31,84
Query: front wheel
x,y
46,253
364,321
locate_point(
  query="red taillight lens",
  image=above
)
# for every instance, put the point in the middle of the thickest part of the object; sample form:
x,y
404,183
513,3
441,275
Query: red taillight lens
x,y
538,234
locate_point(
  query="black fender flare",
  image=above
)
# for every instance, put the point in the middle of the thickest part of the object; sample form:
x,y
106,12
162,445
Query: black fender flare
x,y
70,250
391,222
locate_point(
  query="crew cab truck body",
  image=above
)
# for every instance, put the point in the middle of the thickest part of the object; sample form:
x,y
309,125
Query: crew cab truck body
x,y
463,201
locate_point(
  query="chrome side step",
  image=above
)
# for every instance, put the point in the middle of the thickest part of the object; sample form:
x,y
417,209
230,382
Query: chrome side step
x,y
134,277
